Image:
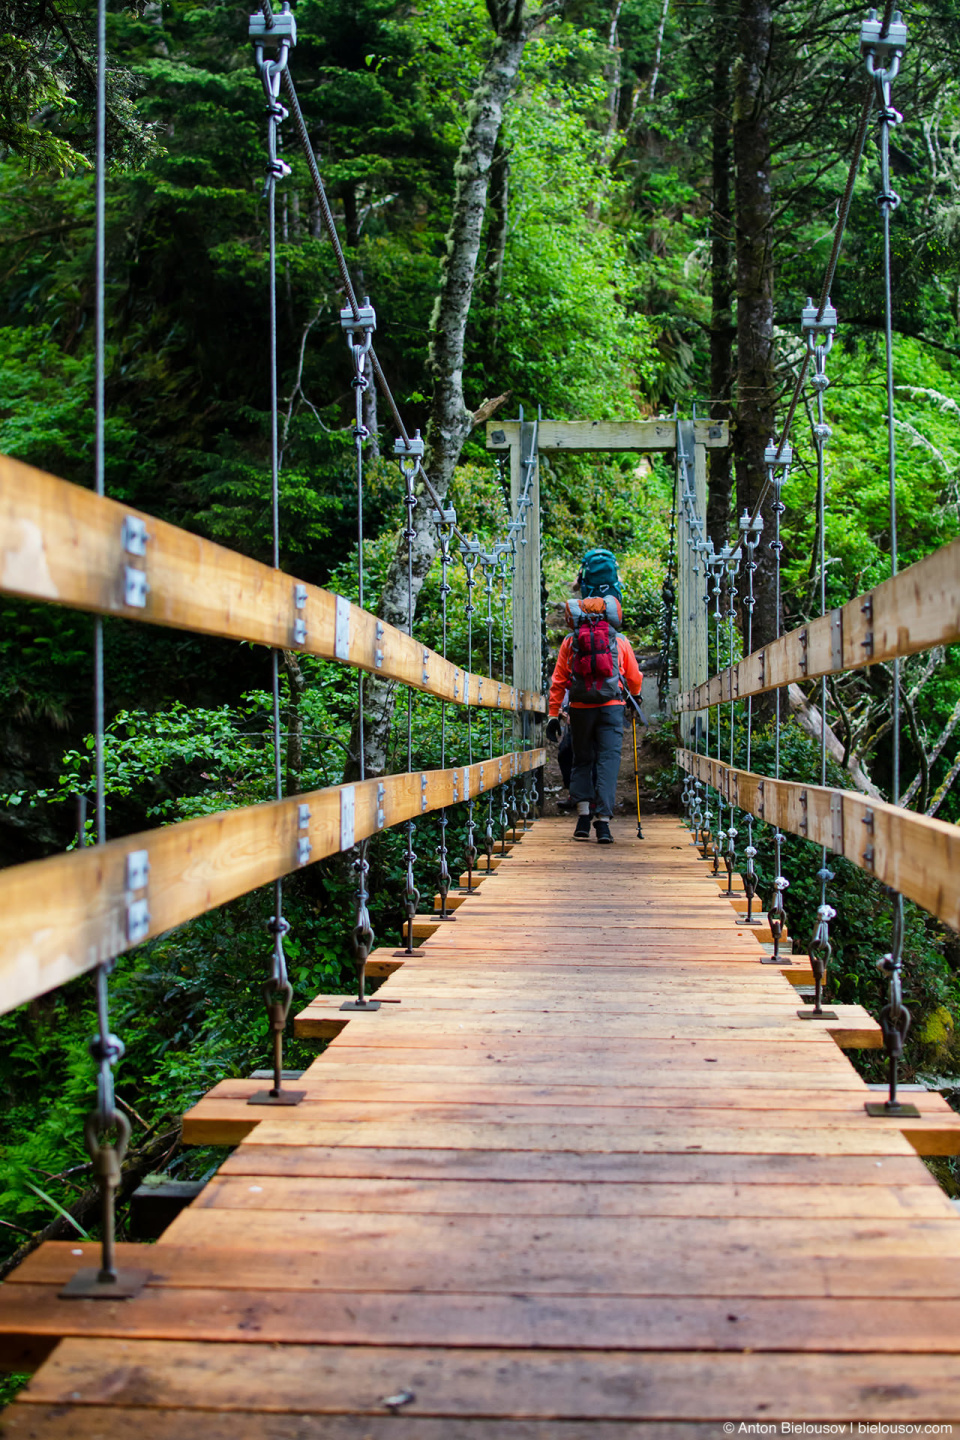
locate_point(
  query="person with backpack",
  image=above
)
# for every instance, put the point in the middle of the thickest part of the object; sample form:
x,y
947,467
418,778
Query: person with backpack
x,y
595,662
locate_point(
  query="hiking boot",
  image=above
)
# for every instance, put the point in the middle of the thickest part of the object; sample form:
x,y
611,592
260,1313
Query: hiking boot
x,y
582,831
602,828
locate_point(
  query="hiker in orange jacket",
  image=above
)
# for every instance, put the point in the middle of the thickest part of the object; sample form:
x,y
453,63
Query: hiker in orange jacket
x,y
596,727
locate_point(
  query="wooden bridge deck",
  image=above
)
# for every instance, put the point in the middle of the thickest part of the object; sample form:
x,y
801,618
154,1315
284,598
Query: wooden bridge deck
x,y
592,1179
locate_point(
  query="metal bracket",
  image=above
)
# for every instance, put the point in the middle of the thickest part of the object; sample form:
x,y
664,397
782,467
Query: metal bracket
x,y
366,319
134,535
802,637
299,623
867,609
348,805
466,782
480,786
341,633
304,848
785,451
761,802
284,27
381,794
893,43
378,653
762,660
836,821
456,687
423,792
836,639
443,517
135,588
814,328
867,818
426,672
137,877
804,824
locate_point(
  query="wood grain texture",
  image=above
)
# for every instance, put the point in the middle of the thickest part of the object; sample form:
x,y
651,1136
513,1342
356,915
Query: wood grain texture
x,y
912,611
64,544
62,916
296,1379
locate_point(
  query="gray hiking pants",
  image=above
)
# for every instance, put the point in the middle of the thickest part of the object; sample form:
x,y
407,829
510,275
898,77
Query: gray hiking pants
x,y
597,734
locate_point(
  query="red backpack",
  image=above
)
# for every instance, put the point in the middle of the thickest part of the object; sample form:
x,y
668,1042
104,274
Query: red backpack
x,y
595,676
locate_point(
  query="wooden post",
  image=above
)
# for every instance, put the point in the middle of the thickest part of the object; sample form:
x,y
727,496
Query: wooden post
x,y
527,625
691,612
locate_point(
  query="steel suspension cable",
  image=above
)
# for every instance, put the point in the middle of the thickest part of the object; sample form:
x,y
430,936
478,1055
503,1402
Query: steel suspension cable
x,y
883,66
107,1281
820,328
277,990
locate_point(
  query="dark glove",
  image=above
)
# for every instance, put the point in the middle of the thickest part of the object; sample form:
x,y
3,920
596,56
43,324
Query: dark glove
x,y
553,728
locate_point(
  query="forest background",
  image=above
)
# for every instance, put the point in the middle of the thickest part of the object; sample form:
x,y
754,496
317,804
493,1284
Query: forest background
x,y
606,288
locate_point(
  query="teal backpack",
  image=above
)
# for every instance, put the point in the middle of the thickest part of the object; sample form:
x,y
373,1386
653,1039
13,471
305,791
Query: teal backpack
x,y
599,575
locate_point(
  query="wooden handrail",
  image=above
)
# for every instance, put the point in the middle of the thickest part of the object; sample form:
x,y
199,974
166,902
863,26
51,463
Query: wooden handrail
x,y
62,916
914,854
912,611
61,543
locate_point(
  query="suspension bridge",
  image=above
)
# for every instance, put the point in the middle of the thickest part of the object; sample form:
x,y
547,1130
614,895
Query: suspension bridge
x,y
586,1163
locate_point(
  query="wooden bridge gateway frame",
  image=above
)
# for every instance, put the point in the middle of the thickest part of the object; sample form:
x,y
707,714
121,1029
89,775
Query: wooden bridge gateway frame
x,y
569,437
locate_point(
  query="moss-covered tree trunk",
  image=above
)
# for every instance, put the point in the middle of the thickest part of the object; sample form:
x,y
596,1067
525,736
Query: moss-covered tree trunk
x,y
450,420
756,387
720,493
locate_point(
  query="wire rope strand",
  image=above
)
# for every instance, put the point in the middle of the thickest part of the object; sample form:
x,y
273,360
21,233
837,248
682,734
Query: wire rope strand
x,y
895,1018
100,284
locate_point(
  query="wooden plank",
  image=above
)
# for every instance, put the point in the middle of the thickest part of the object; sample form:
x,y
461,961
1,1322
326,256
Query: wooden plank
x,y
64,544
395,1089
25,1421
882,1138
692,1168
580,435
62,916
612,1385
220,1119
915,854
631,1200
587,1322
765,1258
912,611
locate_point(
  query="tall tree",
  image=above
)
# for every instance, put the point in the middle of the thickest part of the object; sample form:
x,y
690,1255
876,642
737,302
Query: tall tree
x,y
450,420
721,277
756,377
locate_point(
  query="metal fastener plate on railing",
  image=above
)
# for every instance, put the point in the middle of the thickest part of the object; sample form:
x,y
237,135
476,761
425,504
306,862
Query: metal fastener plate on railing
x,y
348,800
341,634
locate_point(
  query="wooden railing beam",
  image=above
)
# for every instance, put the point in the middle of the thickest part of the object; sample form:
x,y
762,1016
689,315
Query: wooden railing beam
x,y
64,915
914,854
63,544
912,611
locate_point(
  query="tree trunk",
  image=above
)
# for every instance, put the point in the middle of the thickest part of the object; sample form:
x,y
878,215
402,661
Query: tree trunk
x,y
498,206
808,717
450,422
719,499
755,371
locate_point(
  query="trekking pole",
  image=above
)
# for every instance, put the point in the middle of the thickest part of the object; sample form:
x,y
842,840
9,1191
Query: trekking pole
x,y
634,712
